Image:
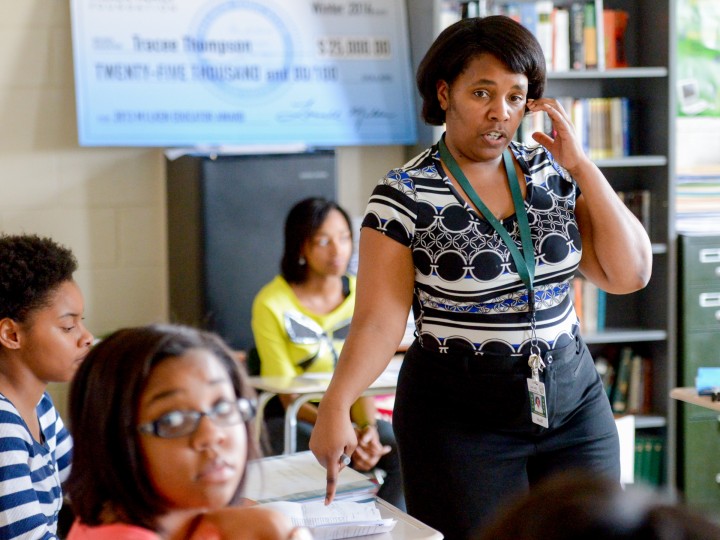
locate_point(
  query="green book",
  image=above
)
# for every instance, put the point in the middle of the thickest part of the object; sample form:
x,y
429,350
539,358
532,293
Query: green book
x,y
656,461
638,465
622,381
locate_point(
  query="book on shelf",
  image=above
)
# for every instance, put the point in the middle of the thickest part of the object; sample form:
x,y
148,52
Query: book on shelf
x,y
627,377
578,114
647,386
590,34
635,385
560,39
622,381
638,202
606,370
544,32
590,293
590,305
528,16
340,519
577,35
615,23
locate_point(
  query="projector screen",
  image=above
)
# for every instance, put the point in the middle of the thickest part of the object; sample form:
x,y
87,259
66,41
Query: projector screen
x,y
197,73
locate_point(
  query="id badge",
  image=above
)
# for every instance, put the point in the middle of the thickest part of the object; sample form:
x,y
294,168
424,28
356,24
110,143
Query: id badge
x,y
538,405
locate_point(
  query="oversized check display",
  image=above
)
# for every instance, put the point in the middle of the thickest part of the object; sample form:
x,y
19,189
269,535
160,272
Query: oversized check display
x,y
242,72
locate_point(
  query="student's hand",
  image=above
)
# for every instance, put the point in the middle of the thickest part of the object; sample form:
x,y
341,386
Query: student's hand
x,y
563,144
253,523
369,449
332,438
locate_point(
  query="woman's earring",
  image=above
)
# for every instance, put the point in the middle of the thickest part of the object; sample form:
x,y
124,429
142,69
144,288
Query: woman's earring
x,y
301,261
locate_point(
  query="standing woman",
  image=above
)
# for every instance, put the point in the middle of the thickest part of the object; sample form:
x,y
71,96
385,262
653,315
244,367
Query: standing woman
x,y
300,320
481,236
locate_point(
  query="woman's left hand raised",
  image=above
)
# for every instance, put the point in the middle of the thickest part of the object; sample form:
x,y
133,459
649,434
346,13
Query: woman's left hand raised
x,y
563,144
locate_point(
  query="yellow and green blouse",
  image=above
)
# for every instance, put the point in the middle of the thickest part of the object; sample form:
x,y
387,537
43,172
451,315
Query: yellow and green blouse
x,y
290,339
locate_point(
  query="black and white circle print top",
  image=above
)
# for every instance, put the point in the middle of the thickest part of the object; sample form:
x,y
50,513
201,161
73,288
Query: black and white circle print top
x,y
468,296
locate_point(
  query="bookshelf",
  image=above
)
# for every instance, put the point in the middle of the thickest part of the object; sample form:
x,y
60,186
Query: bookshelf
x,y
644,320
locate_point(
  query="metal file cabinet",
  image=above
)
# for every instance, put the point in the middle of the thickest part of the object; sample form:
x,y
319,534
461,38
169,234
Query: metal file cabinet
x,y
699,344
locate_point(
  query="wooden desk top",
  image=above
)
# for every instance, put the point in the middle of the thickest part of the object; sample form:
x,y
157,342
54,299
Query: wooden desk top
x,y
690,395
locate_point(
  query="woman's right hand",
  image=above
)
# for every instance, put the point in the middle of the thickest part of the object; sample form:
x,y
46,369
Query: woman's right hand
x,y
332,436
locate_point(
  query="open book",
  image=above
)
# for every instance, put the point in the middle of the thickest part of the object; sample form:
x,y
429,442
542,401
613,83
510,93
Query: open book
x,y
340,519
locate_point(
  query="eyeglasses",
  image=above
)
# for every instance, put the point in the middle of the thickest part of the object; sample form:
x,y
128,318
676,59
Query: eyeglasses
x,y
183,423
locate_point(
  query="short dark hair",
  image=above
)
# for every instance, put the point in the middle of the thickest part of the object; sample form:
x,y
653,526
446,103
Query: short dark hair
x,y
31,270
108,471
461,42
301,224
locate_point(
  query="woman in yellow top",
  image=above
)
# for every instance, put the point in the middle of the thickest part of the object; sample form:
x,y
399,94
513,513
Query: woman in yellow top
x,y
300,320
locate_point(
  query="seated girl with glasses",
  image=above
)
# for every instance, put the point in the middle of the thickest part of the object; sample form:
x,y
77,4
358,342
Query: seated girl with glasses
x,y
161,417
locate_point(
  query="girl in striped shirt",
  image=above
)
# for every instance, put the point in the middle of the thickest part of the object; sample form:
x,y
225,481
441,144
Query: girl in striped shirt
x,y
42,339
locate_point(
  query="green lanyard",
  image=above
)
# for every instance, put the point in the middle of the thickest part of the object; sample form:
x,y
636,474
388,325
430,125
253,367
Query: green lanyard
x,y
525,261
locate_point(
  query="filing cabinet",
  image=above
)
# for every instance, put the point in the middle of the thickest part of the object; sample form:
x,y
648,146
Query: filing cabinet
x,y
699,344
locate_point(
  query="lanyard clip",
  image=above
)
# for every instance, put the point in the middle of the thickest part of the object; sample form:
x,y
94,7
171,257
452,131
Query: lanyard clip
x,y
531,302
536,365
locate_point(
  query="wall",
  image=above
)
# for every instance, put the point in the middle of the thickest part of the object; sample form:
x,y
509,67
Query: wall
x,y
697,142
107,205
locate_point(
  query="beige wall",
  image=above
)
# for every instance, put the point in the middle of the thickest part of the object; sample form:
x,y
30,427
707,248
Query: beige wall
x,y
698,143
106,204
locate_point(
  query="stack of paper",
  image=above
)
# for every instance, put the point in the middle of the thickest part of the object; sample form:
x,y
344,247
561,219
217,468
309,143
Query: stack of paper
x,y
340,519
299,477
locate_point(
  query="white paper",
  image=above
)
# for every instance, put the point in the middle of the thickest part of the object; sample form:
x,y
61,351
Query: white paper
x,y
300,477
340,519
626,433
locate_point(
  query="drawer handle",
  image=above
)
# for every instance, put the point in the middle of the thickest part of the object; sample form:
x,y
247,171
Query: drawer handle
x,y
710,255
709,299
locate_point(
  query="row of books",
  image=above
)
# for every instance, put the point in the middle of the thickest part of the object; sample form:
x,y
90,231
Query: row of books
x,y
628,380
602,125
590,305
649,459
575,35
697,200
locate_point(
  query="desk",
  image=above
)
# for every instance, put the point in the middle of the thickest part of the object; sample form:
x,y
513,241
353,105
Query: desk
x,y
267,477
309,387
689,394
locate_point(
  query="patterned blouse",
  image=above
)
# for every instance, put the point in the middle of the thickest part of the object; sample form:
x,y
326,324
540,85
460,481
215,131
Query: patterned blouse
x,y
468,296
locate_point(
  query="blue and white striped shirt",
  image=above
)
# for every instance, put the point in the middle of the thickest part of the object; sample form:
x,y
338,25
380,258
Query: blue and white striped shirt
x,y
31,473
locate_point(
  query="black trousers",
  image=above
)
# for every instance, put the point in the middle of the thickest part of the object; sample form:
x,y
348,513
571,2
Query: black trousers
x,y
466,441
